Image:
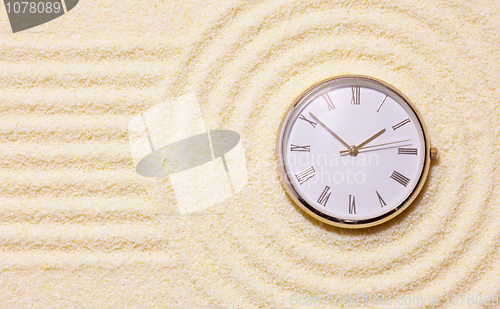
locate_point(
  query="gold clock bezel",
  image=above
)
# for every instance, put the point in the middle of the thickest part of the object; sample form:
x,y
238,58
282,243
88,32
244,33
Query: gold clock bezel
x,y
312,211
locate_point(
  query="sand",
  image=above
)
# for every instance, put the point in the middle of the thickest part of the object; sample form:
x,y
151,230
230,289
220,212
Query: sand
x,y
79,228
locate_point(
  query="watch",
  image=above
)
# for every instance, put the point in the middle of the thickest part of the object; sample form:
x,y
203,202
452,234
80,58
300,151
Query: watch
x,y
353,151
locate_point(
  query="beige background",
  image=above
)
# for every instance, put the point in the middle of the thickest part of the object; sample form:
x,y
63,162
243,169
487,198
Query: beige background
x,y
78,228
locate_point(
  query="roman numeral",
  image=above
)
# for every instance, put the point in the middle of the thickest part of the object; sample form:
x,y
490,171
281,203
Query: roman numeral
x,y
325,195
352,204
310,122
381,104
306,148
407,151
402,123
306,174
400,178
380,199
356,93
328,101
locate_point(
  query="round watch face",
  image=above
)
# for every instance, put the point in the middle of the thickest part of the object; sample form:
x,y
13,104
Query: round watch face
x,y
353,151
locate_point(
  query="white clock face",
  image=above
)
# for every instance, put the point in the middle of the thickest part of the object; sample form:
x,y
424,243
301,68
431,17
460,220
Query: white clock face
x,y
353,150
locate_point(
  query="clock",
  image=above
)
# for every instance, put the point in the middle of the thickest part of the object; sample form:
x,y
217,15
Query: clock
x,y
353,151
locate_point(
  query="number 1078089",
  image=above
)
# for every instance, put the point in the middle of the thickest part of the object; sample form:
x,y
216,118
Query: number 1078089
x,y
33,7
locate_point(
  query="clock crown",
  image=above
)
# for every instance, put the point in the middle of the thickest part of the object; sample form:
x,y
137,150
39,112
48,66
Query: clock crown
x,y
434,153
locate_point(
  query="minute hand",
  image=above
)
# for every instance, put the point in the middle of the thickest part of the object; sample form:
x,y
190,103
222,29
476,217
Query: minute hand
x,y
406,140
330,131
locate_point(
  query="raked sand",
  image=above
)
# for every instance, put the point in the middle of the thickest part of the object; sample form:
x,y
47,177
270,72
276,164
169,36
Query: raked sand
x,y
79,228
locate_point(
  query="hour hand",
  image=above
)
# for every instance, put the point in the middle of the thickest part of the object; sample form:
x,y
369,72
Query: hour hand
x,y
329,131
374,136
353,150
